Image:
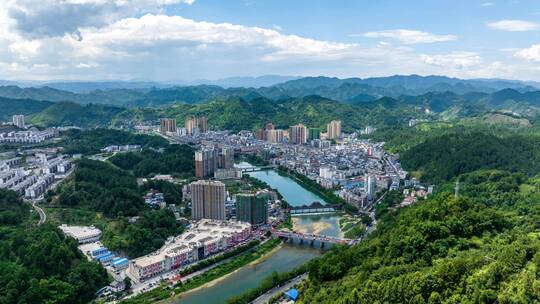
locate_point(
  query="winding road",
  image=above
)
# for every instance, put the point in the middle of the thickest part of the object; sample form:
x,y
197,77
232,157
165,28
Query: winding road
x,y
42,215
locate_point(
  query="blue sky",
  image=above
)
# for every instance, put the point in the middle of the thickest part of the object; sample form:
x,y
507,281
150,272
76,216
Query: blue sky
x,y
194,39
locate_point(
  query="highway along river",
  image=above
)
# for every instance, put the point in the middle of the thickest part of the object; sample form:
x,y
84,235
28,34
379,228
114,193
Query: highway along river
x,y
284,259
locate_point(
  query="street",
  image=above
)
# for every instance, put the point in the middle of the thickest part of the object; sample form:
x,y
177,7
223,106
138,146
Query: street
x,y
280,289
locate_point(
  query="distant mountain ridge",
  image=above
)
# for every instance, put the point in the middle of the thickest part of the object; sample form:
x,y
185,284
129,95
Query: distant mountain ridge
x,y
345,90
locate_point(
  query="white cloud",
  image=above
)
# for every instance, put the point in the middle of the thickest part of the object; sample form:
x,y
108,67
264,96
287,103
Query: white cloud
x,y
486,4
531,53
141,41
150,31
514,25
58,17
410,36
455,60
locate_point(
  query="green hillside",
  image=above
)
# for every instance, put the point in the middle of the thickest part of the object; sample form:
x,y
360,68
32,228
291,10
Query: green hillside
x,y
479,248
314,111
72,114
11,107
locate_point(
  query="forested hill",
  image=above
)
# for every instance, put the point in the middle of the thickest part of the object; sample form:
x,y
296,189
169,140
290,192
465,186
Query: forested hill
x,y
39,264
72,114
444,157
10,107
483,247
314,111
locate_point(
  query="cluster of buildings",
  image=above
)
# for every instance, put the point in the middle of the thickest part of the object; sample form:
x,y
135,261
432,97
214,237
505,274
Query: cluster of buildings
x,y
124,148
299,134
205,238
155,199
193,126
358,168
209,201
88,238
36,174
30,136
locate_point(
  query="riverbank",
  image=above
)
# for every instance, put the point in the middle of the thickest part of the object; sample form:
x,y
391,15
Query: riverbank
x,y
327,194
209,284
167,292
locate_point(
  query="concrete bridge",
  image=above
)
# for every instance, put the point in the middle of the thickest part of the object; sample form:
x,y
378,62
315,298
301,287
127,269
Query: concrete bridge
x,y
253,169
315,208
312,239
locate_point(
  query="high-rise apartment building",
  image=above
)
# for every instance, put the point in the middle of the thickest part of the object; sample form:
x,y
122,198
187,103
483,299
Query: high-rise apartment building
x,y
226,158
202,122
208,200
314,133
206,162
196,125
370,186
18,120
274,136
298,134
167,125
333,129
252,208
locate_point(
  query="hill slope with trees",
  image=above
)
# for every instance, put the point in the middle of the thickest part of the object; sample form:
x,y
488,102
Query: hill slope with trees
x,y
443,250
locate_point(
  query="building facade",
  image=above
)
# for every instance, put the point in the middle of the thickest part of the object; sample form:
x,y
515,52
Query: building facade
x,y
195,125
274,136
314,133
205,238
252,208
18,120
167,125
333,129
298,134
208,200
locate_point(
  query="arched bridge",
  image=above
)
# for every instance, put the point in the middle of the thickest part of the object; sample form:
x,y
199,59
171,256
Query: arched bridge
x,y
312,239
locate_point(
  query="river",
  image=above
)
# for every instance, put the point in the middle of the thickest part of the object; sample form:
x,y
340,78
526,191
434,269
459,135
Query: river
x,y
286,258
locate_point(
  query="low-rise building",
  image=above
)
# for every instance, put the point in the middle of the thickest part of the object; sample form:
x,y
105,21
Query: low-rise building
x,y
83,234
232,173
205,238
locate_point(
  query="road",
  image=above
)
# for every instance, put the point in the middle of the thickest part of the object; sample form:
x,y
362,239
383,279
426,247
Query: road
x,y
42,215
279,290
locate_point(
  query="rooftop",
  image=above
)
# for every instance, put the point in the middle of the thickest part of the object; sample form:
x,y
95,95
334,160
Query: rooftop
x,y
203,232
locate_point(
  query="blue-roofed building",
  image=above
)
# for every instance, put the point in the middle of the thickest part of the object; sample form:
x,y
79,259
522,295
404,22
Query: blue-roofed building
x,y
120,263
292,294
106,258
104,253
99,251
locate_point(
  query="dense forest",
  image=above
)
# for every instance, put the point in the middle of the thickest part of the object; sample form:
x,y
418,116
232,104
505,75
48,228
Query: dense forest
x,y
12,107
40,265
313,111
174,159
101,187
147,234
92,141
444,157
72,114
482,247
